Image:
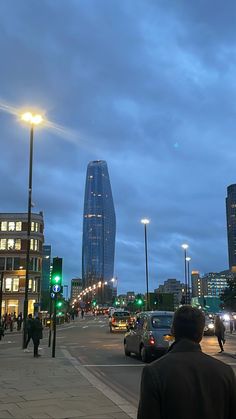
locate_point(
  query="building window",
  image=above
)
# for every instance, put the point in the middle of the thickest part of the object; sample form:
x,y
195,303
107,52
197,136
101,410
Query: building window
x,y
15,284
11,226
16,263
34,226
34,244
9,264
8,282
3,244
18,225
12,306
2,264
4,226
10,244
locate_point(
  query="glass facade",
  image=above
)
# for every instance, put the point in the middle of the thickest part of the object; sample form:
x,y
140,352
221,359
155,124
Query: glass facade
x,y
231,225
99,225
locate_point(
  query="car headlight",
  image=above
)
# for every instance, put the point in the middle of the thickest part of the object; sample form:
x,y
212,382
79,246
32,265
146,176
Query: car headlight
x,y
226,317
211,326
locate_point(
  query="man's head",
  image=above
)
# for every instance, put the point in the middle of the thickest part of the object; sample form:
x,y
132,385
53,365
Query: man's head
x,y
30,316
188,323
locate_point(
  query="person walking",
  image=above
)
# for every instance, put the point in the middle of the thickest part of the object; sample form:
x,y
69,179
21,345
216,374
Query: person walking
x,y
37,334
82,313
19,321
220,332
29,324
186,383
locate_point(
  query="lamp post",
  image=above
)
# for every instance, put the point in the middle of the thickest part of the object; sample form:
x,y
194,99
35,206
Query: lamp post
x,y
185,247
145,221
188,260
32,120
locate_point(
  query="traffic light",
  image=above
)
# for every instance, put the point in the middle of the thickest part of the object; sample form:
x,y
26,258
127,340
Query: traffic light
x,y
94,303
59,304
56,278
140,302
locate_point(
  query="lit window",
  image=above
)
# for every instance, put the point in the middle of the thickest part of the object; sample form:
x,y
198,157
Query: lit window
x,y
8,282
3,244
18,244
11,226
15,284
10,244
34,244
18,226
36,227
4,226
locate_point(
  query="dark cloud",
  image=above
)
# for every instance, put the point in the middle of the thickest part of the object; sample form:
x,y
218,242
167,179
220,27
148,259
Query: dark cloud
x,y
148,86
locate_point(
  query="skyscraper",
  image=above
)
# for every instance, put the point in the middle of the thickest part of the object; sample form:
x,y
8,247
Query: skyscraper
x,y
231,225
99,226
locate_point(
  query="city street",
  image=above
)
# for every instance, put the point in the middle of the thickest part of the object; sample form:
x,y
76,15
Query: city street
x,y
96,354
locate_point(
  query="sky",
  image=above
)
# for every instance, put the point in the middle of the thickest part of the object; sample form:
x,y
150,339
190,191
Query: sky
x,y
147,85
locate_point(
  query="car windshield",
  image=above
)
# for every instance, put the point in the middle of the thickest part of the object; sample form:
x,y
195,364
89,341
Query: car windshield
x,y
162,322
121,314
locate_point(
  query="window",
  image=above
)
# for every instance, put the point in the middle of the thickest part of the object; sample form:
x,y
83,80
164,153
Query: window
x,y
10,244
2,264
18,225
4,226
30,284
8,282
11,226
16,263
34,244
34,226
3,244
15,284
160,322
9,264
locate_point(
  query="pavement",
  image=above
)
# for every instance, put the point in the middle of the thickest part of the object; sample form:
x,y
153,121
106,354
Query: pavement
x,y
47,387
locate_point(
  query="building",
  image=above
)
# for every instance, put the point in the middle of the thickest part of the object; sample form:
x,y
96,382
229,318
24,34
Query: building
x,y
217,282
13,248
199,285
231,225
172,286
99,229
76,288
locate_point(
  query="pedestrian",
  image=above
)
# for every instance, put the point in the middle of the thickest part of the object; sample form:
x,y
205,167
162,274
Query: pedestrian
x,y
186,383
82,313
231,323
220,332
37,334
29,324
11,322
19,321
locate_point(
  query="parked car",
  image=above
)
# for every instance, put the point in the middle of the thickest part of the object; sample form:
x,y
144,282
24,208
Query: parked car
x,y
150,336
119,321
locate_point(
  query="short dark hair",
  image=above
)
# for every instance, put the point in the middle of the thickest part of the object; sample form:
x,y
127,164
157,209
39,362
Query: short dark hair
x,y
188,323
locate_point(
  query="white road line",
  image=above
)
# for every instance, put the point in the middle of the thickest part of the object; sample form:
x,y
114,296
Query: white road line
x,y
102,325
123,404
115,365
84,327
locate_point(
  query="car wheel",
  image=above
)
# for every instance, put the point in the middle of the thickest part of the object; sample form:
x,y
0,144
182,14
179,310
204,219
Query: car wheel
x,y
127,353
143,354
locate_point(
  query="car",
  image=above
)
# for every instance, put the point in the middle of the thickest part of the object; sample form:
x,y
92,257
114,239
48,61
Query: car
x,y
150,336
119,321
209,328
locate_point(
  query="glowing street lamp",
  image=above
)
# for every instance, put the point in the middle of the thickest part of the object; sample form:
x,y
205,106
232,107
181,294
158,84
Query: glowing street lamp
x,y
32,119
145,222
185,247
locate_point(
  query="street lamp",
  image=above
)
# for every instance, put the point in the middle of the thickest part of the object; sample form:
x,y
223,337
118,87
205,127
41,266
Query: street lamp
x,y
188,260
145,221
185,247
32,119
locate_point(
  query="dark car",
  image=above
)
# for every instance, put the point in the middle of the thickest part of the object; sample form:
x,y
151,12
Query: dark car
x,y
120,321
150,336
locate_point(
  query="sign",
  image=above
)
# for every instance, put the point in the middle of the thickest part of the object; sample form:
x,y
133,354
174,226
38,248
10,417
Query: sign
x,y
56,288
52,295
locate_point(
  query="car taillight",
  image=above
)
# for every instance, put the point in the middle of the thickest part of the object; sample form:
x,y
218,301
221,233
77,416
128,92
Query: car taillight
x,y
113,320
151,340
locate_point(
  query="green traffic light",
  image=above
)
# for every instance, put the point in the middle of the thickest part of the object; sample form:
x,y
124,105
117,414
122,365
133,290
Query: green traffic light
x,y
140,301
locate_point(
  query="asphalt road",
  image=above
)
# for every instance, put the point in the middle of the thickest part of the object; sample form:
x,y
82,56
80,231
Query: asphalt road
x,y
101,353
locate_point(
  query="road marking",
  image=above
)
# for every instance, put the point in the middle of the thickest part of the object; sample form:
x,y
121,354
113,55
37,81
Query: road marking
x,y
84,327
116,365
102,325
123,404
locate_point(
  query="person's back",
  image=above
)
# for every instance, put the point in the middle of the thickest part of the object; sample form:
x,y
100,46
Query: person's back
x,y
187,384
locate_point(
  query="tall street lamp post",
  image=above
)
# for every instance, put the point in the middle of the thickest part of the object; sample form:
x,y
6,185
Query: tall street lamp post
x,y
185,247
32,120
188,260
145,221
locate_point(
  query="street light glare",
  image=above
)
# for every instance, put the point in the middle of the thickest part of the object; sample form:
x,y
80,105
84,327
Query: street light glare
x,y
32,119
184,246
188,259
145,221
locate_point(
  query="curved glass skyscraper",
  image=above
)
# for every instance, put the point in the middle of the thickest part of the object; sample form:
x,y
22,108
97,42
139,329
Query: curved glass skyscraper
x,y
99,226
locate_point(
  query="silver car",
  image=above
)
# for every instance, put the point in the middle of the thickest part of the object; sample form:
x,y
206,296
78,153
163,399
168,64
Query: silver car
x,y
150,336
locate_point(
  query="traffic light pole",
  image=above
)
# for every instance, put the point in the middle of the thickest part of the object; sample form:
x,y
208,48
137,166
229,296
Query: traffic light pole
x,y
50,327
54,327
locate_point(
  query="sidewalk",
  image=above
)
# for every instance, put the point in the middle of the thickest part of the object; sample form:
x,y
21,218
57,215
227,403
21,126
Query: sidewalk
x,y
48,387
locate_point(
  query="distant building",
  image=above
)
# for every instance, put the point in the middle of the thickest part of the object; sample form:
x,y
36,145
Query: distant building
x,y
13,248
99,229
199,285
130,296
76,288
172,286
231,225
217,282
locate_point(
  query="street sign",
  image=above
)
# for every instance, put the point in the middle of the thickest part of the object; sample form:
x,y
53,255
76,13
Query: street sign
x,y
52,294
56,288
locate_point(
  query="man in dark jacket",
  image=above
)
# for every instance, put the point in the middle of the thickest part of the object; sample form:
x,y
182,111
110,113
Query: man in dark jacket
x,y
37,334
186,383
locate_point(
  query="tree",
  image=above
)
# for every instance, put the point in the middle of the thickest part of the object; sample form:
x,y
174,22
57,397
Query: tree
x,y
228,296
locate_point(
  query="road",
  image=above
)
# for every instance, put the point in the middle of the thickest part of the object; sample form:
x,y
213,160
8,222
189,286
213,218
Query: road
x,y
101,353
